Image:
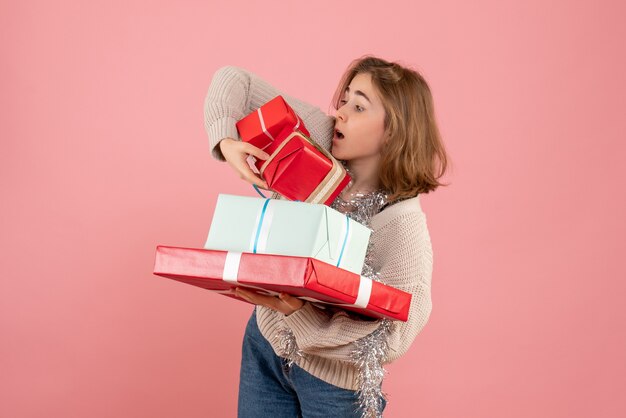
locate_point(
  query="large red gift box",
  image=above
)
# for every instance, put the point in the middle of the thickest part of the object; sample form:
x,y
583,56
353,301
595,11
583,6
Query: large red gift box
x,y
304,277
261,127
300,169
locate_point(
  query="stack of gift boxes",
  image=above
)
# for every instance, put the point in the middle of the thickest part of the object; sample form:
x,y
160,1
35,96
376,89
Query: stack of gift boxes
x,y
300,246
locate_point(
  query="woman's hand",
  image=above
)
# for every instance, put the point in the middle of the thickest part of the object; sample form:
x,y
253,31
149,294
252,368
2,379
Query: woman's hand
x,y
284,303
236,152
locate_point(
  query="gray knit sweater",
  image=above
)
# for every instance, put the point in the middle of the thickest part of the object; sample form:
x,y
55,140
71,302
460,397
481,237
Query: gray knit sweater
x,y
401,246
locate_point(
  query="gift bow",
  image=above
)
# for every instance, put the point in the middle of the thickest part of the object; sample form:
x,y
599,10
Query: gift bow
x,y
231,269
258,240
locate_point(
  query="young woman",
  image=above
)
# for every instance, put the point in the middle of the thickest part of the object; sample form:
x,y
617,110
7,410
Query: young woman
x,y
298,359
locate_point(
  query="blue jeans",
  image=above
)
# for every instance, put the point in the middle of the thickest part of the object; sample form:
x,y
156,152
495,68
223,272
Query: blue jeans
x,y
267,388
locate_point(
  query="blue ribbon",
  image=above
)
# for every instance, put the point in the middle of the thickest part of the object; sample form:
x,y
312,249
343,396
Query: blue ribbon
x,y
345,240
259,191
258,228
260,224
263,196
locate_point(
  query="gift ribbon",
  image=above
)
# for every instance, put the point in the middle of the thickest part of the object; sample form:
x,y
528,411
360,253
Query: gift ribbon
x,y
265,197
365,293
265,131
328,183
333,177
231,267
258,242
295,128
231,271
264,220
362,299
345,240
259,191
264,128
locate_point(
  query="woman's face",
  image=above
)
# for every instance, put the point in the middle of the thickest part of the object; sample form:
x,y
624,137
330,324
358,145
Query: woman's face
x,y
359,124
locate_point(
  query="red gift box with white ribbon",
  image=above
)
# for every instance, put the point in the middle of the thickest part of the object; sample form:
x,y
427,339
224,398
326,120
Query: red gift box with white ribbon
x,y
261,127
303,277
300,169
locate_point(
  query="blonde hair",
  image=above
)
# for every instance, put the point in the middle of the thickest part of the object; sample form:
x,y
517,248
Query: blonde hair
x,y
414,158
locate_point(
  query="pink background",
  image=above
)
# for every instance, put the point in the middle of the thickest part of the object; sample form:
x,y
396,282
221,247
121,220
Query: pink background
x,y
104,155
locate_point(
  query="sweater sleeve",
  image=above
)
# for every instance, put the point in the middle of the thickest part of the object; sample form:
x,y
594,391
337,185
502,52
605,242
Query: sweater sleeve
x,y
235,92
407,265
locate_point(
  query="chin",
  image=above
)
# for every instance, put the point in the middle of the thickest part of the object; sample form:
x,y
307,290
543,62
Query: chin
x,y
337,154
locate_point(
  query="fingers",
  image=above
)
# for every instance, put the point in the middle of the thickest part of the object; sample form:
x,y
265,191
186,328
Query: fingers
x,y
284,303
257,298
293,302
248,175
236,154
240,165
231,147
256,152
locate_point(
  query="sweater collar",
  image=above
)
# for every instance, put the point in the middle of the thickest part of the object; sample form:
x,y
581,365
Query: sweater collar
x,y
394,210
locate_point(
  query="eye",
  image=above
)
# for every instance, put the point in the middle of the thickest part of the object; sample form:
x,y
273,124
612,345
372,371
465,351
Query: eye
x,y
342,101
357,107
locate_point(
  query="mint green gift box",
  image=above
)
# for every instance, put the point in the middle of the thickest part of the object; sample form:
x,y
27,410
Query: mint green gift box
x,y
283,227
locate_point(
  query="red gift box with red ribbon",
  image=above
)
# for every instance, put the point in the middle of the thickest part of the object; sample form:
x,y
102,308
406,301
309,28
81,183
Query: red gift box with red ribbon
x,y
303,277
300,169
261,127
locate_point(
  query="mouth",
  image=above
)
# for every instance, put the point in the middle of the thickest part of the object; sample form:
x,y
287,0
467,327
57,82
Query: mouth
x,y
338,134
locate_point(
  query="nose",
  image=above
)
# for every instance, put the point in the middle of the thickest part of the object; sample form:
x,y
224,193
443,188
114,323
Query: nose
x,y
340,115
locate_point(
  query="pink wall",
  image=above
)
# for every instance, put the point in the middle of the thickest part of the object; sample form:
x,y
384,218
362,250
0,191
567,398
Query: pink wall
x,y
104,155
